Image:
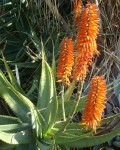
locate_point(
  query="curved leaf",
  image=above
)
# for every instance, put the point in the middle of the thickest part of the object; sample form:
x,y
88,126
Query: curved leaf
x,y
47,99
19,106
22,137
64,138
5,146
12,78
36,117
93,140
14,127
9,120
44,146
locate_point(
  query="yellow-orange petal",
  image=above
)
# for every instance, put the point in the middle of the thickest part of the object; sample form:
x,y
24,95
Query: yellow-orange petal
x,y
96,103
89,25
65,60
86,47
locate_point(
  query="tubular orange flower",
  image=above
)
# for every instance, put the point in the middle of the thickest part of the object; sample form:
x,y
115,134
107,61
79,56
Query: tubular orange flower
x,y
77,11
95,103
86,47
65,60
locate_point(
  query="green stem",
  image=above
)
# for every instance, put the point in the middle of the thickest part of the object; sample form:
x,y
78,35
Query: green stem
x,y
63,107
75,105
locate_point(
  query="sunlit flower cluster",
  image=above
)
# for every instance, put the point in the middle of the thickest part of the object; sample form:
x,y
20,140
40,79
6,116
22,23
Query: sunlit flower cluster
x,y
96,103
86,47
65,64
76,57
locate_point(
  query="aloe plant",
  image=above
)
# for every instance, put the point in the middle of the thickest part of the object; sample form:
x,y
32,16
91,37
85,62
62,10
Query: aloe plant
x,y
40,126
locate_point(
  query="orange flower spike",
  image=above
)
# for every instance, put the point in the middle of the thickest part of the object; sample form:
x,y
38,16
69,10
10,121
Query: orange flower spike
x,y
86,47
65,61
93,21
89,25
96,103
77,11
80,68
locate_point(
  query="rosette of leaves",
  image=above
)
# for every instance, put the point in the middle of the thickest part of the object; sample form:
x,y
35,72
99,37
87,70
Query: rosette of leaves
x,y
40,126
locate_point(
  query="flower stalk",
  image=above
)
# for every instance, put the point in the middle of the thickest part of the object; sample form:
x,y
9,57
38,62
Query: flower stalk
x,y
63,101
75,105
65,66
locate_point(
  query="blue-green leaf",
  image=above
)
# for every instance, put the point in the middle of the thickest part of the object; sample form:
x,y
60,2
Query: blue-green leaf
x,y
9,120
65,137
14,127
5,146
19,106
44,146
12,78
47,99
93,140
22,137
26,147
